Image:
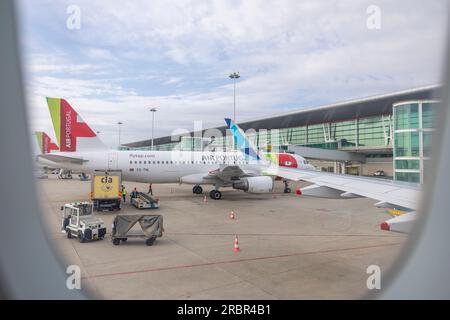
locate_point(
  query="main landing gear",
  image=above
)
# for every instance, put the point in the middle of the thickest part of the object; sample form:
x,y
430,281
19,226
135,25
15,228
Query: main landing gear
x,y
286,187
197,189
215,194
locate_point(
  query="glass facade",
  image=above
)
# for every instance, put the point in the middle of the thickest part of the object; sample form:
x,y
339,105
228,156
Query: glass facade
x,y
373,132
407,144
413,123
361,133
407,116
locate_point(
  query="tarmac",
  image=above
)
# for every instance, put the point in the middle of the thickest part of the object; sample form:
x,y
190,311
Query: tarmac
x,y
291,247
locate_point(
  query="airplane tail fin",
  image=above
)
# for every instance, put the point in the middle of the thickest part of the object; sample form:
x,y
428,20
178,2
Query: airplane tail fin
x,y
242,143
45,143
72,133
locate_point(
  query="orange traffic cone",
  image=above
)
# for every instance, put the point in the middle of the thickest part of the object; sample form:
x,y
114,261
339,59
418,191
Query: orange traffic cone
x,y
236,244
232,215
205,199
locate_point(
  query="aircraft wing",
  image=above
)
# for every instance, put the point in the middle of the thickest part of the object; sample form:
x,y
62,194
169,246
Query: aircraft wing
x,y
229,173
329,185
61,159
390,194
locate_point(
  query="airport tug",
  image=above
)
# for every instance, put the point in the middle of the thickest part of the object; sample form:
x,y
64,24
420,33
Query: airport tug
x,y
78,221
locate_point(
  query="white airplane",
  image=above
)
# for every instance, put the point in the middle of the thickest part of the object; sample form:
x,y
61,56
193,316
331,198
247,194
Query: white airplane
x,y
246,169
81,150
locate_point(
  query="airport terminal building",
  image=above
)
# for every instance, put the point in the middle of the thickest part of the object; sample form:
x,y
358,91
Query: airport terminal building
x,y
389,133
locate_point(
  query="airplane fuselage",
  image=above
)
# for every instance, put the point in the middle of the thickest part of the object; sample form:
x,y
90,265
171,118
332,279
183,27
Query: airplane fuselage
x,y
166,166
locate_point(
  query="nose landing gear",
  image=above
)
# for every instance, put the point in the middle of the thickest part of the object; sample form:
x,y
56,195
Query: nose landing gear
x,y
286,187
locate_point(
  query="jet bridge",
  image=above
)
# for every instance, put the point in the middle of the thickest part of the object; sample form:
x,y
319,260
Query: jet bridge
x,y
327,154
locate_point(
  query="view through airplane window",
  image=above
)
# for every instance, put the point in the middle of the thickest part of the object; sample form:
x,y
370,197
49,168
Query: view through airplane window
x,y
231,149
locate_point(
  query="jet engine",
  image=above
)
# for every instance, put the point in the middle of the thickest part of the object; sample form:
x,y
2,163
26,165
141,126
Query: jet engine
x,y
261,184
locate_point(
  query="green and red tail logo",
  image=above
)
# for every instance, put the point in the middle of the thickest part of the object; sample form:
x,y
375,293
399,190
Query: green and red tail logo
x,y
72,133
45,143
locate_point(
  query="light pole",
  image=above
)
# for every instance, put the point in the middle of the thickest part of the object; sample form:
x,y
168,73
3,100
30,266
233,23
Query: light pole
x,y
234,76
153,110
119,124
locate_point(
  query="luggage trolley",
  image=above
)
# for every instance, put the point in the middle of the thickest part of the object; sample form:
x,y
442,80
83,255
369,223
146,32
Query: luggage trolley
x,y
151,228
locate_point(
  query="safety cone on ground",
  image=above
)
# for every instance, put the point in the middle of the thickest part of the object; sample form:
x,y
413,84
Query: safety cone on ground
x,y
298,191
236,244
232,215
205,199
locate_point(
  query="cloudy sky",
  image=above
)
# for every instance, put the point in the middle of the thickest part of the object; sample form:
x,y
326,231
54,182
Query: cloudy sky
x,y
128,56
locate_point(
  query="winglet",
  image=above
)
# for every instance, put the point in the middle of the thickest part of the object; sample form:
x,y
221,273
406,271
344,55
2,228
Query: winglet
x,y
403,223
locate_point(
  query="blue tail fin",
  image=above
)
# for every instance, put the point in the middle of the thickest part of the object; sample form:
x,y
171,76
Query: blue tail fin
x,y
243,144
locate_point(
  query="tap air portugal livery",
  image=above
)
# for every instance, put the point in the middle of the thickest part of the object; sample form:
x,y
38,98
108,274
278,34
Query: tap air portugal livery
x,y
82,150
45,143
246,169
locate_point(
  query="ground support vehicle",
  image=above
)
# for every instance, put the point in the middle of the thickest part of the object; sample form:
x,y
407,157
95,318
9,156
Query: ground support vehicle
x,y
151,227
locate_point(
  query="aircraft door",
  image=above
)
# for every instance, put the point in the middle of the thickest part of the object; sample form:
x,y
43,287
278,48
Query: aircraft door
x,y
113,161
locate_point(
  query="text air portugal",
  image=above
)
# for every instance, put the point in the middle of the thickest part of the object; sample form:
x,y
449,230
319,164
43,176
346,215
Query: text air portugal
x,y
71,129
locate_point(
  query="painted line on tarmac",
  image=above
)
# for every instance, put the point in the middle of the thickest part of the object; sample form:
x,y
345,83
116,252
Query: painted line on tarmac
x,y
283,235
235,261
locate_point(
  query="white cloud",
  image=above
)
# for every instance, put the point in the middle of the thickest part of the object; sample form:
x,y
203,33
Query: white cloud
x,y
173,80
99,54
177,54
57,63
